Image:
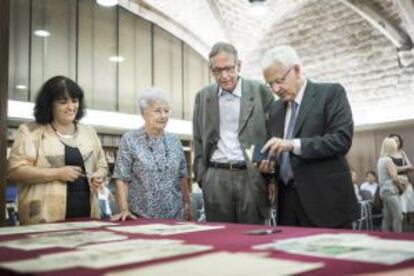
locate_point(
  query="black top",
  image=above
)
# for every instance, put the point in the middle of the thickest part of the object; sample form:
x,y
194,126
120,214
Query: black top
x,y
77,199
398,162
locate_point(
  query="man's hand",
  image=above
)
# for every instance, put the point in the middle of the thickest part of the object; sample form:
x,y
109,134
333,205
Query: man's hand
x,y
271,192
276,146
266,166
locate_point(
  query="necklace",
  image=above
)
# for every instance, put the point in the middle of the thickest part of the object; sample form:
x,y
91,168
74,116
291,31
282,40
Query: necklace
x,y
66,139
151,149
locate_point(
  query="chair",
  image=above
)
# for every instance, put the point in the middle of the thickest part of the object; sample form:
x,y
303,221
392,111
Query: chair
x,y
11,205
365,216
366,195
273,217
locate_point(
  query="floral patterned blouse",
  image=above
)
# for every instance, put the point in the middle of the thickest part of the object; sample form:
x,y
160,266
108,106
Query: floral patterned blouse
x,y
152,167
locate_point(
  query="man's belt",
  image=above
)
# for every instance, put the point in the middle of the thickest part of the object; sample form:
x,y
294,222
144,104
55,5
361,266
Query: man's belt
x,y
228,166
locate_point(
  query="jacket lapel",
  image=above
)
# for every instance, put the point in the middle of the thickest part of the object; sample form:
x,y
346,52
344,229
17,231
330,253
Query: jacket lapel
x,y
306,105
212,108
246,105
278,126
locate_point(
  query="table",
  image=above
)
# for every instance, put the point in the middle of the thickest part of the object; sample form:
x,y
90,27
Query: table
x,y
231,238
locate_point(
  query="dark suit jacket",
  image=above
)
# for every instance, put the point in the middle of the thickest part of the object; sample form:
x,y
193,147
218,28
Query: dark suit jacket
x,y
322,176
254,106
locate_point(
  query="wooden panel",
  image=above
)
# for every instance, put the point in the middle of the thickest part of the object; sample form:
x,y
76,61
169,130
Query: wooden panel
x,y
366,147
362,155
4,57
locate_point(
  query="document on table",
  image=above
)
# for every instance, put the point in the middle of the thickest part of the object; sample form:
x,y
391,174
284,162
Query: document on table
x,y
113,255
53,227
354,247
165,229
141,244
224,263
65,239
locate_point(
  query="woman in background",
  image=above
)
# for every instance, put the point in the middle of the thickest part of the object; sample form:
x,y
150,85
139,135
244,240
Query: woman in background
x,y
150,168
404,166
390,187
51,158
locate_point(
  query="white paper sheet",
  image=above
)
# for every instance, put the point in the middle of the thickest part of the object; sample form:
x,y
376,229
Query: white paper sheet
x,y
165,229
223,263
112,256
65,239
354,247
53,227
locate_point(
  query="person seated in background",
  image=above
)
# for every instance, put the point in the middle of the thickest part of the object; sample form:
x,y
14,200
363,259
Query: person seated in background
x,y
150,168
370,184
390,187
354,177
55,158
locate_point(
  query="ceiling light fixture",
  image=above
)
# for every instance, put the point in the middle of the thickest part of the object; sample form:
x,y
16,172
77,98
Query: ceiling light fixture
x,y
117,59
257,7
21,87
42,33
107,3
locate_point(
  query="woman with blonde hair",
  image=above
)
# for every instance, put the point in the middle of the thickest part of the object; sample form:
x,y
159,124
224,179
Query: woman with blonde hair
x,y
404,166
390,187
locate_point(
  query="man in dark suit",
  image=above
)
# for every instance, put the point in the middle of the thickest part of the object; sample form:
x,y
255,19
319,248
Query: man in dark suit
x,y
311,129
230,117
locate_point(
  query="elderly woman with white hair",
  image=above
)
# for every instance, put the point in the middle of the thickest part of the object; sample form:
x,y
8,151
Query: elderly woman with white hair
x,y
150,169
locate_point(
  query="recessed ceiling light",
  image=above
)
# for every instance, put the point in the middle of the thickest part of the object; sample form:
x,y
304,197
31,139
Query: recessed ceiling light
x,y
107,3
257,7
117,59
42,33
21,87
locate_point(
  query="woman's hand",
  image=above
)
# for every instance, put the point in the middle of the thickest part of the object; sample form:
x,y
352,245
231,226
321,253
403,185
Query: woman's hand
x,y
401,188
187,212
96,181
124,215
68,173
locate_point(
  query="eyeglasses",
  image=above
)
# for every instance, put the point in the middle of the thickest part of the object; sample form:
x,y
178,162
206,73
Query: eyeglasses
x,y
161,111
219,71
281,80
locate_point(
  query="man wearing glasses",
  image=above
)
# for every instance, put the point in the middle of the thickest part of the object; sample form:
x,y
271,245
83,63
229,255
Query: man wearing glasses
x,y
229,117
311,128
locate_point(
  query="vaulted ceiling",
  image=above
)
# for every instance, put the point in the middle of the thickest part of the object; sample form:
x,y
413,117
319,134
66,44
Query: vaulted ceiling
x,y
366,45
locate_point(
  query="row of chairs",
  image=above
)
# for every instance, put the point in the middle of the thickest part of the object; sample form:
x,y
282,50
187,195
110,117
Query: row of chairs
x,y
367,217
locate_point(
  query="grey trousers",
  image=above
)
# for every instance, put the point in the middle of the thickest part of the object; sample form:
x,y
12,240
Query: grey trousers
x,y
235,196
393,217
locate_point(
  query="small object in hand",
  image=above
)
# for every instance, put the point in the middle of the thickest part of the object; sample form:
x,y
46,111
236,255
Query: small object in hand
x,y
263,231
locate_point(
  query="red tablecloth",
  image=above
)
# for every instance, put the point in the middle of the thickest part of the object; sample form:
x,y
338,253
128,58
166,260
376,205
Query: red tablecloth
x,y
231,238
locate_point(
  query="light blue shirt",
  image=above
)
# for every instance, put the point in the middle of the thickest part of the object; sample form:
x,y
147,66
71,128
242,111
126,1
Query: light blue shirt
x,y
228,147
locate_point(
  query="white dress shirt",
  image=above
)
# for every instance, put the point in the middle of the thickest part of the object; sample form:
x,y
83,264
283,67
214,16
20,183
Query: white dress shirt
x,y
298,100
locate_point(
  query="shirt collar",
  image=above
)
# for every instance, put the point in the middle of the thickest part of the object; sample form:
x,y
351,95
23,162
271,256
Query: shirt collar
x,y
299,96
237,90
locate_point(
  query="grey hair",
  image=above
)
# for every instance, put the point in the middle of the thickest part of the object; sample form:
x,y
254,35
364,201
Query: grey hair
x,y
285,55
222,47
149,96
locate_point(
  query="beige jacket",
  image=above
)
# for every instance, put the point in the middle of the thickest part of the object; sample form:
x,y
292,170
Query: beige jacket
x,y
37,145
